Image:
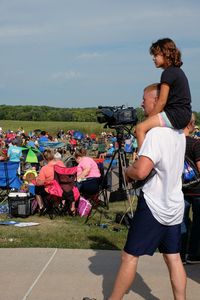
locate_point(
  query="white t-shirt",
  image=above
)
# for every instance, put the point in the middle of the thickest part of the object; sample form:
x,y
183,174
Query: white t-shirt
x,y
163,193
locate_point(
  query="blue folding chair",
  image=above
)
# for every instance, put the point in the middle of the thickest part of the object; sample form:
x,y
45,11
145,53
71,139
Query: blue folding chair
x,y
9,177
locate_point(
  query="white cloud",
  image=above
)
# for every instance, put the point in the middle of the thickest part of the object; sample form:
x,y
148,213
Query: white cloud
x,y
89,56
65,76
9,32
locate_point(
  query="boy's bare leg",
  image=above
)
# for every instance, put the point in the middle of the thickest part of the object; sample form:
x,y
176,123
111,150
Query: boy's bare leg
x,y
177,275
125,276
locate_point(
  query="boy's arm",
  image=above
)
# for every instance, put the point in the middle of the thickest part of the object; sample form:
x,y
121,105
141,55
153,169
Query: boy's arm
x,y
162,99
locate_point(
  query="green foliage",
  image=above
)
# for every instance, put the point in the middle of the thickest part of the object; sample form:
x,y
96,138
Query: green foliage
x,y
52,119
47,113
197,115
140,114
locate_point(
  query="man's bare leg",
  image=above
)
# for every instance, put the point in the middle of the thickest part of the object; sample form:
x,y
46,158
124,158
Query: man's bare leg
x,y
177,275
125,276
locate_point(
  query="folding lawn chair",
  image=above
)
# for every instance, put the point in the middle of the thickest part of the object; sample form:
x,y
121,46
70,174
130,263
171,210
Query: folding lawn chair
x,y
99,199
9,178
66,178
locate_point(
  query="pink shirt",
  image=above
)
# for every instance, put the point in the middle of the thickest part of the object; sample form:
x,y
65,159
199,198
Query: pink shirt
x,y
88,162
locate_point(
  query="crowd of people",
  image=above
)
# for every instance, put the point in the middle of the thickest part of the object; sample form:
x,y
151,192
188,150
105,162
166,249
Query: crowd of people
x,y
82,149
161,220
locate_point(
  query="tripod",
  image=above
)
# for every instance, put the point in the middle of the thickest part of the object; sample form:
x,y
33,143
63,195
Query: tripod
x,y
124,187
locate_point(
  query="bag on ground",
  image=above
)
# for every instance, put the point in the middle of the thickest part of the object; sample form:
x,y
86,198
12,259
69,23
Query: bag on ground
x,y
84,207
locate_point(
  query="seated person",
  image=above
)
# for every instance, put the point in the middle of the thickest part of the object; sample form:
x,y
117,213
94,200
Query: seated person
x,y
88,174
109,152
3,154
29,178
46,175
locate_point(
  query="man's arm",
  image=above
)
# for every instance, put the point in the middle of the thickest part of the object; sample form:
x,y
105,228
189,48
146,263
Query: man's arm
x,y
198,165
140,169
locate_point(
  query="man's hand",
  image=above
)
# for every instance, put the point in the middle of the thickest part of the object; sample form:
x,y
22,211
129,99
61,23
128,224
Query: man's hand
x,y
127,178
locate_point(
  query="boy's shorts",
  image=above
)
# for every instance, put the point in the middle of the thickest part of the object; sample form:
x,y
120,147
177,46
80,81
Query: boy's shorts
x,y
164,120
146,234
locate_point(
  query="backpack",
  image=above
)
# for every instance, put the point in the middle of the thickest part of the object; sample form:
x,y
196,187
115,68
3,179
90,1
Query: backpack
x,y
191,175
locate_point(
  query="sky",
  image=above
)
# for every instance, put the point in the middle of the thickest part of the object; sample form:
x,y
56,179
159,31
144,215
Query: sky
x,y
86,53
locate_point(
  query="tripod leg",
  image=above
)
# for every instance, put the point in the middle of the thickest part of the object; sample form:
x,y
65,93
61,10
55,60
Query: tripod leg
x,y
104,183
126,185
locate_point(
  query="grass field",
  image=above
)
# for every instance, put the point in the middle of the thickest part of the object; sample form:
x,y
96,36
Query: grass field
x,y
52,127
67,232
64,232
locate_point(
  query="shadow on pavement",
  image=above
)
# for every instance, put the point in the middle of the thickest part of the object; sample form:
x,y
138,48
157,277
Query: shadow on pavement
x,y
107,267
193,272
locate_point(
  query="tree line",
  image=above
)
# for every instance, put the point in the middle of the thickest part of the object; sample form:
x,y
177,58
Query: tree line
x,y
48,113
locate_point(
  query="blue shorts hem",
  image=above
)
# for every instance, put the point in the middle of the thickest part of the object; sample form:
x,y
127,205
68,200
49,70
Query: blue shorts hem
x,y
146,235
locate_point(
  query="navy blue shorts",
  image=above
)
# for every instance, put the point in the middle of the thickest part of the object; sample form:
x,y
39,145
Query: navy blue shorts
x,y
146,234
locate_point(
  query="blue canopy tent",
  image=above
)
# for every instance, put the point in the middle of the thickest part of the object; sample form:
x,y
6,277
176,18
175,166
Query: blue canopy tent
x,y
53,145
78,135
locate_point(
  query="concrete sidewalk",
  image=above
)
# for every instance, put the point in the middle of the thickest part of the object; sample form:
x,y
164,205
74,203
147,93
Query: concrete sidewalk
x,y
67,274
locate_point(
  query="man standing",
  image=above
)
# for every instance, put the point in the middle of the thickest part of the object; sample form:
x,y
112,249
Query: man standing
x,y
191,234
157,220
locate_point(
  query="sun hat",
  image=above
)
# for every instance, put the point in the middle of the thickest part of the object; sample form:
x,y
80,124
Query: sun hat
x,y
57,155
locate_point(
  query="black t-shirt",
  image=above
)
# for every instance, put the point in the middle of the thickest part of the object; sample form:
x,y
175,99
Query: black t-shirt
x,y
178,106
193,152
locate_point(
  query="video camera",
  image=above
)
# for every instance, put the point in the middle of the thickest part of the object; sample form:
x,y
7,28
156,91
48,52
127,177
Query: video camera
x,y
116,115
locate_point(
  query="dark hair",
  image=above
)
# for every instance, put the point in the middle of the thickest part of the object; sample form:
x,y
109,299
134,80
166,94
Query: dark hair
x,y
48,154
43,132
80,153
168,48
14,142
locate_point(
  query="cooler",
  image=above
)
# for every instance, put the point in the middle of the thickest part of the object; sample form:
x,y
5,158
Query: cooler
x,y
19,204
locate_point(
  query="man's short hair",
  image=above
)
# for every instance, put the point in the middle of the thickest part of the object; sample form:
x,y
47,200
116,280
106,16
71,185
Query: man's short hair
x,y
153,86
